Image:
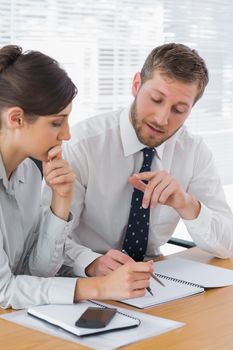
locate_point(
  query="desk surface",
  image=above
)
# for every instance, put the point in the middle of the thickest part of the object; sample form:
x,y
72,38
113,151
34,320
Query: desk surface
x,y
208,318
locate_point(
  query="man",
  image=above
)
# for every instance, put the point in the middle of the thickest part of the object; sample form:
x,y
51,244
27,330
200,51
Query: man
x,y
114,194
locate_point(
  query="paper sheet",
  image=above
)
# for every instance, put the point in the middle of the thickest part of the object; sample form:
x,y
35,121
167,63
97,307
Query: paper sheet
x,y
172,291
150,326
205,275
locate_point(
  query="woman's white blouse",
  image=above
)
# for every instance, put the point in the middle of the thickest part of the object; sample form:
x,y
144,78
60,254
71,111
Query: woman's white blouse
x,y
31,243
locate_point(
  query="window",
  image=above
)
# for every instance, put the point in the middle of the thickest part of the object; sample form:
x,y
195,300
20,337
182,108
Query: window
x,y
103,43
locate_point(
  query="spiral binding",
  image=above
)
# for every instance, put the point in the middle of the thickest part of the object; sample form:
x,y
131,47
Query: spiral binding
x,y
179,281
119,312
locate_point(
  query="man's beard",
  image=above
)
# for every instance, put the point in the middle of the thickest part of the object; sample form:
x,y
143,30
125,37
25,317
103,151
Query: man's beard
x,y
147,140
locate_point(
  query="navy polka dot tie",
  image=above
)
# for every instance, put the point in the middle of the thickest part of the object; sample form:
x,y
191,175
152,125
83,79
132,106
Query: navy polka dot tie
x,y
136,237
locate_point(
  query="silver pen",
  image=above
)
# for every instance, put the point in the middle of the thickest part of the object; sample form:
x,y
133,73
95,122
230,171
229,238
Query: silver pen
x,y
157,279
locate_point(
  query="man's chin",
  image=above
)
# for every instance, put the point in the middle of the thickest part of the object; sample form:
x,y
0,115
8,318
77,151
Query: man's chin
x,y
151,142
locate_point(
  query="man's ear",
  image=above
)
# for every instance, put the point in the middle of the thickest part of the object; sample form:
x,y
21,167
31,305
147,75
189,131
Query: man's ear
x,y
136,84
15,117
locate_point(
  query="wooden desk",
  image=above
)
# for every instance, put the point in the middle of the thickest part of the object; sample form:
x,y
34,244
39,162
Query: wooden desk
x,y
208,318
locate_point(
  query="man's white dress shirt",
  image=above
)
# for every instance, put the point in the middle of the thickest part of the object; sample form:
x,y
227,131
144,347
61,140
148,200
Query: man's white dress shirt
x,y
31,243
104,151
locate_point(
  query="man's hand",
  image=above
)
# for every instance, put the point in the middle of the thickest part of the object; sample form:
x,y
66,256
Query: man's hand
x,y
107,263
164,189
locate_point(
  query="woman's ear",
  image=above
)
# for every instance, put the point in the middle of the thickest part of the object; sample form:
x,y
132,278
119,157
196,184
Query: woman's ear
x,y
15,117
136,84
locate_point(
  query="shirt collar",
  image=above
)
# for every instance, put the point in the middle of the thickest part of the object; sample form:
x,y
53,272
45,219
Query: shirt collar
x,y
3,176
19,173
130,141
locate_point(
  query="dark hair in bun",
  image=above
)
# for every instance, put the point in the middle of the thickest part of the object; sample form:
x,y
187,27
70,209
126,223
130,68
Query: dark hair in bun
x,y
34,82
8,55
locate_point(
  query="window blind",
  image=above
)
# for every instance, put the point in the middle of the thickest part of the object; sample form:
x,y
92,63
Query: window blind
x,y
103,43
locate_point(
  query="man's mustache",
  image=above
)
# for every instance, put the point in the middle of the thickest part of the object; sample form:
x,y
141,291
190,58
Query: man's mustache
x,y
156,126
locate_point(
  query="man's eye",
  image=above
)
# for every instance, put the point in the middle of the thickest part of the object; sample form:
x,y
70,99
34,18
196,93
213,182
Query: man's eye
x,y
156,100
178,111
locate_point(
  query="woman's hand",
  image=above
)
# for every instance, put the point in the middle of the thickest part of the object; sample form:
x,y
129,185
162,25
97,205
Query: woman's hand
x,y
60,177
128,281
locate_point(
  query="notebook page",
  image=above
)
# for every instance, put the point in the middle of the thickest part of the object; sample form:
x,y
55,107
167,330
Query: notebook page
x,y
173,290
150,326
205,275
65,316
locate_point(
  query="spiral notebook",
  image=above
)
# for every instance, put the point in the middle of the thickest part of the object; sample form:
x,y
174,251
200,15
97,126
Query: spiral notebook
x,y
150,326
182,278
65,316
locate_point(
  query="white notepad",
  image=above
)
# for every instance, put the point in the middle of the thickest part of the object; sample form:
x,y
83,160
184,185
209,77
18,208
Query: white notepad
x,y
65,316
182,278
150,326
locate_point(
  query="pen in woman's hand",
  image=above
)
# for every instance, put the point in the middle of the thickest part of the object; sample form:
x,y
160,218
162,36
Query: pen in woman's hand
x,y
148,288
157,279
150,291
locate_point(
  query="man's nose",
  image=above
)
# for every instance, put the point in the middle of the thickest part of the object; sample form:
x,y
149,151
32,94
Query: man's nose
x,y
162,116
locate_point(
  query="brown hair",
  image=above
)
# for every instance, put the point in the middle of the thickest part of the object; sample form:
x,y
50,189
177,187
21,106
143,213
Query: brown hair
x,y
33,81
177,61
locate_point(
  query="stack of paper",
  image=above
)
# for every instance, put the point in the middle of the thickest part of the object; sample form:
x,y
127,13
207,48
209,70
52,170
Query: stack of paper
x,y
149,326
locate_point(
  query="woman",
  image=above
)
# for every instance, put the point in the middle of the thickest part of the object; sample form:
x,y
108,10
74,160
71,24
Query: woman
x,y
35,102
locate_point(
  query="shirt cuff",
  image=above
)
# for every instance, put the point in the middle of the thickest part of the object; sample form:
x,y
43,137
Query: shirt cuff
x,y
84,259
61,290
202,223
59,227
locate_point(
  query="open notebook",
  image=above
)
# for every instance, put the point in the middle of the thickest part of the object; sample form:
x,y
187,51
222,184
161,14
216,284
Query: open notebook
x,y
65,316
182,278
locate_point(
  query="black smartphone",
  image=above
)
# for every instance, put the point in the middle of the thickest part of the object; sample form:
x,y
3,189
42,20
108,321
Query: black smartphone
x,y
95,317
